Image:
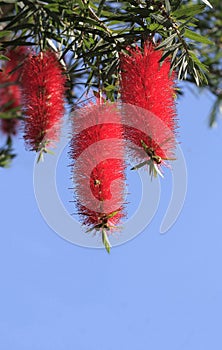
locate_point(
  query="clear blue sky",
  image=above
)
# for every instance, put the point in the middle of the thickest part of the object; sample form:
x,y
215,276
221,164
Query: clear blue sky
x,y
154,292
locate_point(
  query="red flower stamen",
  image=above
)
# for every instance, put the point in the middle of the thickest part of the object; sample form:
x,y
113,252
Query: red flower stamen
x,y
97,149
10,92
43,99
149,88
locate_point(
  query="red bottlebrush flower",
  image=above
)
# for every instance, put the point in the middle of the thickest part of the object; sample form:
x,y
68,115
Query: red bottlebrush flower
x,y
43,99
16,58
9,126
97,149
149,88
10,93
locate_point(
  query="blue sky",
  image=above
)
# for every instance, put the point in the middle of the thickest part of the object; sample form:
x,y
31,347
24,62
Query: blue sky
x,y
154,292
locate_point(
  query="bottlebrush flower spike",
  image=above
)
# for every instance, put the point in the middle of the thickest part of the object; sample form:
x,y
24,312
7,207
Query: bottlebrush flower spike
x,y
10,92
150,120
97,148
43,100
10,97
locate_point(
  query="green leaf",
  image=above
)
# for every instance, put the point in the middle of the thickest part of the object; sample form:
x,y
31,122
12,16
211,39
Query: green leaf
x,y
197,61
143,12
188,11
213,113
111,215
105,241
80,4
8,2
154,27
167,41
6,155
167,5
4,33
197,37
53,7
20,16
22,26
207,3
4,58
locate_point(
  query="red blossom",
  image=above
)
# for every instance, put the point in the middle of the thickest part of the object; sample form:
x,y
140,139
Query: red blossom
x,y
16,58
43,99
97,148
10,95
150,89
9,126
10,92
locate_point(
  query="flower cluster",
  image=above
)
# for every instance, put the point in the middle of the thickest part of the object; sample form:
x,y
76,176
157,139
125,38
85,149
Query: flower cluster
x,y
147,120
43,99
147,89
97,147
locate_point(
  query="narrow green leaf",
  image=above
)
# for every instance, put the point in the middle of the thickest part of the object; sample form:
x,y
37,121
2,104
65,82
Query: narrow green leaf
x,y
197,37
207,3
52,7
139,11
213,113
105,241
8,2
167,5
4,33
4,58
111,215
197,61
80,4
154,27
187,11
167,41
